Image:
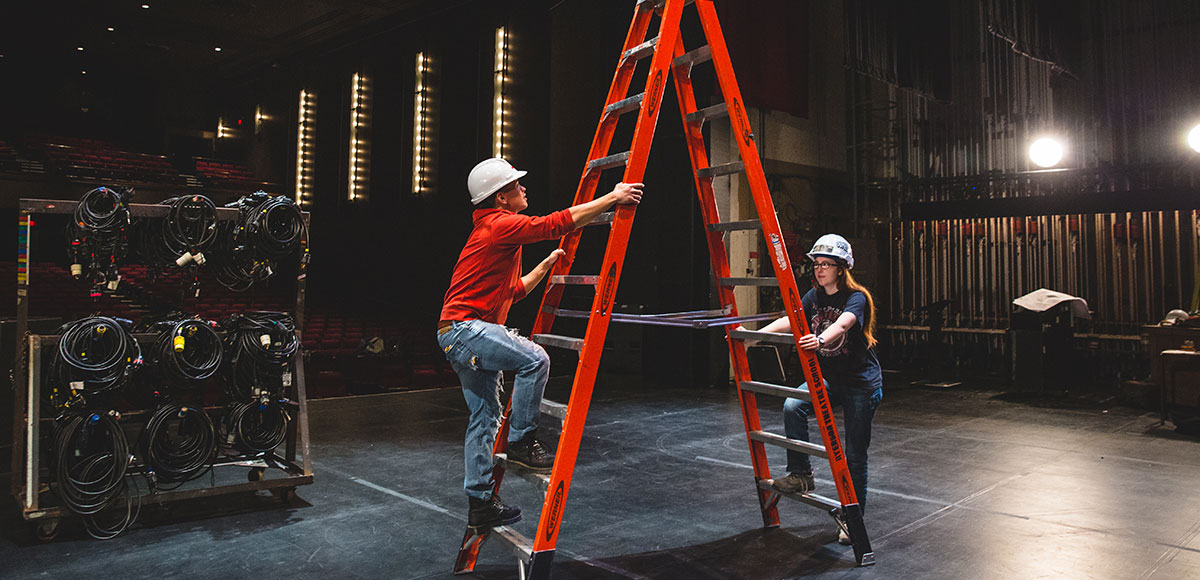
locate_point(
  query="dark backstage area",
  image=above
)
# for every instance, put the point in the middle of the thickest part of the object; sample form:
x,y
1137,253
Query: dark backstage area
x,y
630,289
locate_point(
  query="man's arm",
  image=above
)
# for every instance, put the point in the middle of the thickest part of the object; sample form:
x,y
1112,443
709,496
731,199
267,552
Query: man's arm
x,y
584,213
530,280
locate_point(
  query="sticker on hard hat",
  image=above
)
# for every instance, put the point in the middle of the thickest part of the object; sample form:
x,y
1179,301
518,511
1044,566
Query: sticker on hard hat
x,y
780,258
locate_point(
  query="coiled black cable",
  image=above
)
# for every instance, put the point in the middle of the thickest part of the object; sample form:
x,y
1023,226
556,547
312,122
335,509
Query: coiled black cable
x,y
268,229
95,355
178,444
259,348
187,352
91,458
255,428
98,236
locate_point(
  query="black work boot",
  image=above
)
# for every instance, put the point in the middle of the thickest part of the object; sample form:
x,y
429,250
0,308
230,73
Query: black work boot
x,y
491,512
529,453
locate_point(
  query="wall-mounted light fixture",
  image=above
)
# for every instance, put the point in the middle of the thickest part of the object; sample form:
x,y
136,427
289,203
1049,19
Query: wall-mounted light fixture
x,y
359,166
1193,138
260,119
500,104
306,147
420,123
1046,152
224,131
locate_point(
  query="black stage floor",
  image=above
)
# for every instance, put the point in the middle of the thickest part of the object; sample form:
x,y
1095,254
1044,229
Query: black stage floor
x,y
965,484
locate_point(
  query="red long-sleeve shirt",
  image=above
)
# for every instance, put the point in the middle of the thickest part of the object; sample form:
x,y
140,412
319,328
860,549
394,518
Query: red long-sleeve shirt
x,y
487,277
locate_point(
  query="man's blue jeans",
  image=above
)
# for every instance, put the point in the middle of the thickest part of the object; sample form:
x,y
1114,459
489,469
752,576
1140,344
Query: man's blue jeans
x,y
858,407
479,352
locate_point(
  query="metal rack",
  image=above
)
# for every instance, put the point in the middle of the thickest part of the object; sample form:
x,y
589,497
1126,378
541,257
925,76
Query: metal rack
x,y
27,485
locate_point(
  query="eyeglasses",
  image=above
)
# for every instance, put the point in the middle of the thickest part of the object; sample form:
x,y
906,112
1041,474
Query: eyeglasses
x,y
823,265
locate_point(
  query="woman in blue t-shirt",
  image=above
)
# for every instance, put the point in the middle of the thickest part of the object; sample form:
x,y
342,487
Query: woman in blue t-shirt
x,y
841,317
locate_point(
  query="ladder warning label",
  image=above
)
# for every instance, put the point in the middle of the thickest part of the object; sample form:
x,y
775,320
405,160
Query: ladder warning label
x,y
780,257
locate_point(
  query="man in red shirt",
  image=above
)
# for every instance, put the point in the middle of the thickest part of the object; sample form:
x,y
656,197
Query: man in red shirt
x,y
486,281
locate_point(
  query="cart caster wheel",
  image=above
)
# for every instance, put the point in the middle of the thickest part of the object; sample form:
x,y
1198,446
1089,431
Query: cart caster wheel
x,y
285,494
47,530
255,474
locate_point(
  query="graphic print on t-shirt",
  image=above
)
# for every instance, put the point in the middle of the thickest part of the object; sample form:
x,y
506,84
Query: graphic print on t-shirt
x,y
823,318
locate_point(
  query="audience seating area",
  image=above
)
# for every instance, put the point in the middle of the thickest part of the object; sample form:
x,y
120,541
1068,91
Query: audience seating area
x,y
8,157
226,175
85,158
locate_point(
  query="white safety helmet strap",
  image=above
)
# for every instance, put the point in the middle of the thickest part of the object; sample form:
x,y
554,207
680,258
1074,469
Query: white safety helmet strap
x,y
490,176
833,246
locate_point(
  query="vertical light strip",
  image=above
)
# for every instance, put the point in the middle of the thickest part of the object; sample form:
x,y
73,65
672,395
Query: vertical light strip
x,y
306,137
359,147
500,79
420,109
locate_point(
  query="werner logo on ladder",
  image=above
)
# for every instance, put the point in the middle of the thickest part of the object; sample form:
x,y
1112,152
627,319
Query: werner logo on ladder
x,y
667,56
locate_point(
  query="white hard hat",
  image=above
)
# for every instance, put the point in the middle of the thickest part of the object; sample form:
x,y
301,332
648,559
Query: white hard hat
x,y
490,176
833,246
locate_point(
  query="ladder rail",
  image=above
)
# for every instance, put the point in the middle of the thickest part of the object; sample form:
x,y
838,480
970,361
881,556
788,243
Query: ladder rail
x,y
698,154
773,235
610,272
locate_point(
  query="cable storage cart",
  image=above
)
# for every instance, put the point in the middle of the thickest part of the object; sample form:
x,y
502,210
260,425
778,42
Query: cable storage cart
x,y
102,441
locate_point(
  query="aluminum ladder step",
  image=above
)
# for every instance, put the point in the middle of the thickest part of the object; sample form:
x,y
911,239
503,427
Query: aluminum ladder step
x,y
693,58
575,280
539,480
566,342
639,52
520,546
714,112
735,226
616,160
767,337
793,444
719,170
604,219
776,390
808,498
751,281
554,409
624,105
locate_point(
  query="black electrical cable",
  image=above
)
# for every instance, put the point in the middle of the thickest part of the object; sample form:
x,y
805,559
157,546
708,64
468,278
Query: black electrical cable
x,y
259,348
99,234
178,444
95,355
267,229
255,428
187,352
190,225
91,458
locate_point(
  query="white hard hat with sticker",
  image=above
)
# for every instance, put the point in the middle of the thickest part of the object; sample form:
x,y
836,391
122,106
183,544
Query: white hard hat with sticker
x,y
833,246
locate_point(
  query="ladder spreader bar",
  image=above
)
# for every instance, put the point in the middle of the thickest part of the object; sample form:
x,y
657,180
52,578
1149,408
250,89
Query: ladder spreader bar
x,y
776,390
625,105
566,342
579,280
752,281
678,321
714,112
793,444
732,226
719,170
615,160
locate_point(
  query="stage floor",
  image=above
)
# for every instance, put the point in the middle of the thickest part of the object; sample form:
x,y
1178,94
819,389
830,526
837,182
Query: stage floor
x,y
965,483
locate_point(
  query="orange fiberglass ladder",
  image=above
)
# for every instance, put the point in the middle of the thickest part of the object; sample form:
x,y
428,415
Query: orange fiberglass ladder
x,y
667,57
